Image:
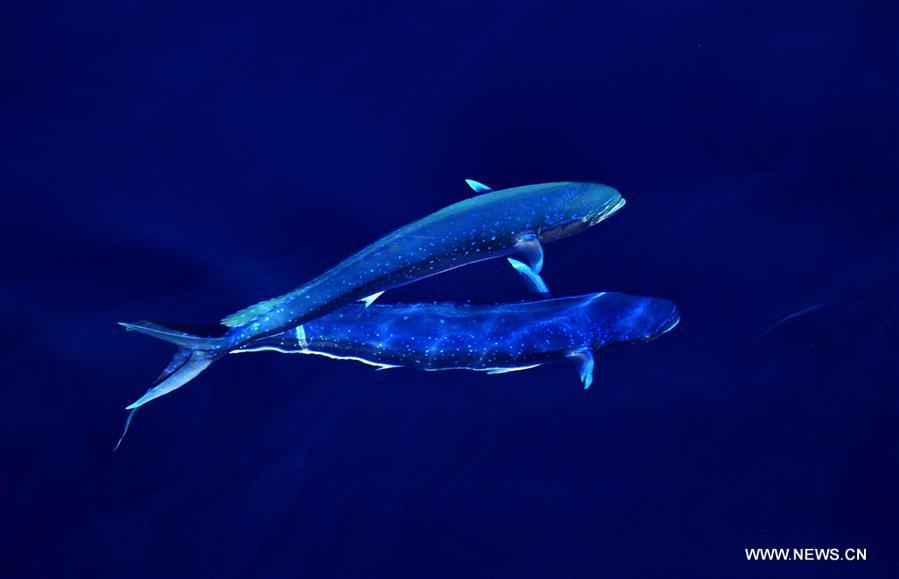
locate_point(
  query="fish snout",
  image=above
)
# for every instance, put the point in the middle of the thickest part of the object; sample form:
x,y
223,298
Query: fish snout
x,y
613,201
669,321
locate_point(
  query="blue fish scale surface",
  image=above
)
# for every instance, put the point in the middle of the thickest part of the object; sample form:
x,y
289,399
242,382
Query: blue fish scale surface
x,y
478,337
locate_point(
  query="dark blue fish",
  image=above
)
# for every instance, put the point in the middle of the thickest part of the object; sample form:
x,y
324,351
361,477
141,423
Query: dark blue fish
x,y
493,224
489,338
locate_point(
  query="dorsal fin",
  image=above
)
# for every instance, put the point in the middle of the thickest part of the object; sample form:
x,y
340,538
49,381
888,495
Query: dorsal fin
x,y
245,315
478,187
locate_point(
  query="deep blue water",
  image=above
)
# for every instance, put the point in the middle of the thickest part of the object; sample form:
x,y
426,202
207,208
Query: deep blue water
x,y
180,162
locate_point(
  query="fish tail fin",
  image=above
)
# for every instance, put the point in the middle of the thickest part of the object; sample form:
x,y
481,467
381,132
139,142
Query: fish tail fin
x,y
195,354
125,430
177,337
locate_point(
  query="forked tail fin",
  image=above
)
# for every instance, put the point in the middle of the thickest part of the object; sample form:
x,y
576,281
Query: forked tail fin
x,y
195,354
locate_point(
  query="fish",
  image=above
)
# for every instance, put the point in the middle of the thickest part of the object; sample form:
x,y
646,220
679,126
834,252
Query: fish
x,y
496,339
488,225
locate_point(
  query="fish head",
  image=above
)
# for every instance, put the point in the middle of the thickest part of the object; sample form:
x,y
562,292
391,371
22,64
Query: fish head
x,y
575,207
621,319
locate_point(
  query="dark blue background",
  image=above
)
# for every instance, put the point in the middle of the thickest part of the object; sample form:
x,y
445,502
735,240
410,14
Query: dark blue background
x,y
180,162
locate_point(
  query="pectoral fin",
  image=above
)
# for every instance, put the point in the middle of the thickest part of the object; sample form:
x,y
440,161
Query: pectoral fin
x,y
535,283
584,359
529,245
478,187
371,299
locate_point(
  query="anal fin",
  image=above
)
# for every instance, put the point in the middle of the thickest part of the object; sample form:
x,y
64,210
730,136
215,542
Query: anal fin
x,y
511,369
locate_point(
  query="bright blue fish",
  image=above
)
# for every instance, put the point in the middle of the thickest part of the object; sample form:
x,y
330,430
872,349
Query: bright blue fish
x,y
493,224
490,338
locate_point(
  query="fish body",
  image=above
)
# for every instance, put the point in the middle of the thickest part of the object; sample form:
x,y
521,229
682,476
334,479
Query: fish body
x,y
491,338
489,225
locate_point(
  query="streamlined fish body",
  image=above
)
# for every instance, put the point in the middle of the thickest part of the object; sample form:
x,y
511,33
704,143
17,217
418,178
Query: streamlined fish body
x,y
489,225
493,224
492,338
